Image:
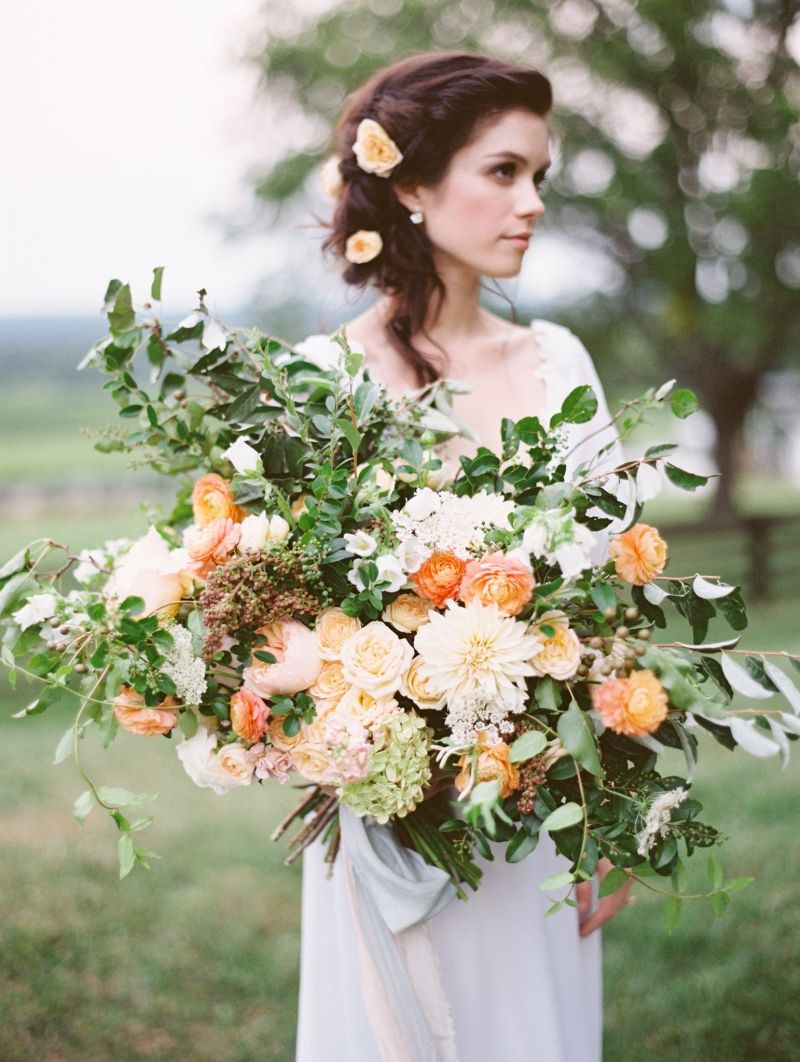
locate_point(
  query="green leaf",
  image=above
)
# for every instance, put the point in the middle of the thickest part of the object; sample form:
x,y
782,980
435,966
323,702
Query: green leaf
x,y
520,846
155,287
547,693
557,881
126,855
350,432
188,724
567,815
715,872
719,901
83,805
264,656
737,883
65,746
577,737
15,564
614,880
672,913
683,403
132,604
122,798
580,405
604,597
527,746
681,478
122,318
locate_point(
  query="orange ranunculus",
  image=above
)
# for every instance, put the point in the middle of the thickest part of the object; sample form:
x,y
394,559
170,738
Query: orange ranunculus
x,y
249,715
493,762
639,554
500,580
439,577
210,546
634,706
212,499
133,715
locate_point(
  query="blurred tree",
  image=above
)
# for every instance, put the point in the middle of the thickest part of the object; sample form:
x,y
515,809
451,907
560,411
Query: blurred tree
x,y
678,153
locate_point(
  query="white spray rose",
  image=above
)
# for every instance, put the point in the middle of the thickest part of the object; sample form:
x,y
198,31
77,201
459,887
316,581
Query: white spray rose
x,y
243,457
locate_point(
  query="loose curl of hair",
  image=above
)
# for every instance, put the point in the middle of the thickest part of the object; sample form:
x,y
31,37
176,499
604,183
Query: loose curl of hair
x,y
431,105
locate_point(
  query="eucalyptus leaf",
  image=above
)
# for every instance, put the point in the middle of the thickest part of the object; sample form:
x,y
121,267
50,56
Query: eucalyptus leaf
x,y
784,684
126,855
751,738
577,737
65,746
527,746
557,881
703,588
83,805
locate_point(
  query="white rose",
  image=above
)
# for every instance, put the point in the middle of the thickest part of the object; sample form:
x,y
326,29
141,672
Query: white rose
x,y
360,544
374,659
254,532
39,607
437,478
422,504
278,528
243,457
201,762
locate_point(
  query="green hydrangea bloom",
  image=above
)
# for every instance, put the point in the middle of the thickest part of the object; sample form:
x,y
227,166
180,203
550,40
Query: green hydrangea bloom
x,y
399,770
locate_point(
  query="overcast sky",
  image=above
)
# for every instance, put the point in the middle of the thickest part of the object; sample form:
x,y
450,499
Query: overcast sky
x,y
132,126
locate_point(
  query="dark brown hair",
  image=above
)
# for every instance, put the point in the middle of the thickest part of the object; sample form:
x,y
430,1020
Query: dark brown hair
x,y
431,105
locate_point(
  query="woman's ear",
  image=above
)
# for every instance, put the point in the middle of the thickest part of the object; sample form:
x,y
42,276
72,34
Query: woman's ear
x,y
408,197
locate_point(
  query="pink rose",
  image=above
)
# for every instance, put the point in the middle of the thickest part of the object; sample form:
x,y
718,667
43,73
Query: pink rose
x,y
274,764
298,660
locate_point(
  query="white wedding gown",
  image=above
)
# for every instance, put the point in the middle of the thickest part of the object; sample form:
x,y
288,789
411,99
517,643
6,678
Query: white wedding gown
x,y
521,987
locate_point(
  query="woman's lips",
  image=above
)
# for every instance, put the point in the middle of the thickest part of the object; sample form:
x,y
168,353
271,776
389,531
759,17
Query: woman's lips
x,y
520,240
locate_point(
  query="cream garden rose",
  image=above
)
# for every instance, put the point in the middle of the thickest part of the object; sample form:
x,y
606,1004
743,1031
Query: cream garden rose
x,y
331,685
407,612
416,686
374,659
333,628
331,177
559,654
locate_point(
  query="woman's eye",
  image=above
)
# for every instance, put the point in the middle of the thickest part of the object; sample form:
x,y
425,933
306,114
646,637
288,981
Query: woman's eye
x,y
505,170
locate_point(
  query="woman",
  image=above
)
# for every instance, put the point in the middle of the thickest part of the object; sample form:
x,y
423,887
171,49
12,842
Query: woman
x,y
440,162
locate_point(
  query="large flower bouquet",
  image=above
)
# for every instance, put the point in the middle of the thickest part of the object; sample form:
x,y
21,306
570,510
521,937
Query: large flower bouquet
x,y
470,655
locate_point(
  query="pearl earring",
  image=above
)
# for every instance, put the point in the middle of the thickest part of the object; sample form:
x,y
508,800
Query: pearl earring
x,y
416,218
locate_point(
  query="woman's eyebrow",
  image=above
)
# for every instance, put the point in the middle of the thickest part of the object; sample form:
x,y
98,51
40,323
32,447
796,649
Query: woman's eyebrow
x,y
517,158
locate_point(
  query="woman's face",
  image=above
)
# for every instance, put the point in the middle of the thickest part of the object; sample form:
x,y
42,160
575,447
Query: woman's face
x,y
482,213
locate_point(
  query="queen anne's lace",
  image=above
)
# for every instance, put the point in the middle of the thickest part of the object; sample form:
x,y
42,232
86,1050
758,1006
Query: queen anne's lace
x,y
656,823
186,670
441,522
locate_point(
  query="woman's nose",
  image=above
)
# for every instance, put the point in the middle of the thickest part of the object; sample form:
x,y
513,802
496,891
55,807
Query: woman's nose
x,y
530,203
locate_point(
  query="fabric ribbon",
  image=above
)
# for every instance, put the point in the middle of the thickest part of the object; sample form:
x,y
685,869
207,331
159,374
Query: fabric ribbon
x,y
393,892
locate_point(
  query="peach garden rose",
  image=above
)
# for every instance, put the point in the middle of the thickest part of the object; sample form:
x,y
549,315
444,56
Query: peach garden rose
x,y
133,715
249,715
499,579
298,660
633,706
212,499
639,554
493,763
439,577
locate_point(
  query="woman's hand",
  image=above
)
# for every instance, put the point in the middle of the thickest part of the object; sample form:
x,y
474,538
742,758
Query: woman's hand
x,y
607,906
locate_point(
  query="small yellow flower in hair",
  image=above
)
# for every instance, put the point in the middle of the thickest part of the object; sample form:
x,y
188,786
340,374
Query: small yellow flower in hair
x,y
374,149
363,246
331,177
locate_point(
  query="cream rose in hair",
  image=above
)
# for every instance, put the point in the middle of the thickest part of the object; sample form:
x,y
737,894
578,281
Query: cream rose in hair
x,y
559,654
363,246
374,149
333,628
331,177
408,612
374,659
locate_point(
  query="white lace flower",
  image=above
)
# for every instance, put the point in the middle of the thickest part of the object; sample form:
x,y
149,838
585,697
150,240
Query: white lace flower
x,y
658,816
443,522
186,670
557,536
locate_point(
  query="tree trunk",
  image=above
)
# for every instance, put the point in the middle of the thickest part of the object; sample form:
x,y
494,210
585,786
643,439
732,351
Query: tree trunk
x,y
728,396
